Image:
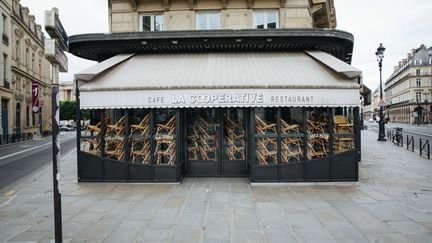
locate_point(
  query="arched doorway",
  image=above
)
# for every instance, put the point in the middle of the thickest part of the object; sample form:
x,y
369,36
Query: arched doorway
x,y
18,119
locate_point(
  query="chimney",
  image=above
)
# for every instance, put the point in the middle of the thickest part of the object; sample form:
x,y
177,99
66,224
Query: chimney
x,y
396,67
422,46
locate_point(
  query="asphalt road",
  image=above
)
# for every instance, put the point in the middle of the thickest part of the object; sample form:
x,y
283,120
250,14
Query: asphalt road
x,y
19,160
417,132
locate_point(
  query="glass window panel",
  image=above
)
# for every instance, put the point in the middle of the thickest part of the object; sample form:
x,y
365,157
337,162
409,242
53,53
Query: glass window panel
x,y
259,20
214,21
265,120
265,151
201,22
140,136
158,23
202,134
114,134
164,136
317,130
234,134
291,120
343,121
146,23
271,19
292,149
90,134
343,126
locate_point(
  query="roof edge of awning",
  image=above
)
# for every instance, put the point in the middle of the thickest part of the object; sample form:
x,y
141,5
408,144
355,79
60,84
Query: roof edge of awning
x,y
93,71
334,63
352,86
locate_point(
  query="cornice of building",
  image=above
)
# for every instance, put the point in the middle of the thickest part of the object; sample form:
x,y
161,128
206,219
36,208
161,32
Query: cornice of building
x,y
29,76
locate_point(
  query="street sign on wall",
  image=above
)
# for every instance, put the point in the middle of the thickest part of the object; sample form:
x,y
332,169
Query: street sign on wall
x,y
55,29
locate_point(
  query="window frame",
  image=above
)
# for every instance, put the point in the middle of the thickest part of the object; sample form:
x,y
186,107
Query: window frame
x,y
152,16
265,11
418,82
208,15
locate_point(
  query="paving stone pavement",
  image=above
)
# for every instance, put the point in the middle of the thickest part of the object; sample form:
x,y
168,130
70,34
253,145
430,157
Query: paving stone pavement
x,y
392,203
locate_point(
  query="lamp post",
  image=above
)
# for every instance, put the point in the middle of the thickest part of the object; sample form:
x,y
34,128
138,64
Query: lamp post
x,y
380,55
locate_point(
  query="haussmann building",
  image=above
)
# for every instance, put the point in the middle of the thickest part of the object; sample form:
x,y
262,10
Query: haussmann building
x,y
229,88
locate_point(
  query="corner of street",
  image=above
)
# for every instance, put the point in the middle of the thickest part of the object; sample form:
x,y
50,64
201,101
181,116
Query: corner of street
x,y
391,203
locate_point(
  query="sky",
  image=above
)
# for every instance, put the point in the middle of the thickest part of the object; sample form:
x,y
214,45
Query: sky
x,y
399,24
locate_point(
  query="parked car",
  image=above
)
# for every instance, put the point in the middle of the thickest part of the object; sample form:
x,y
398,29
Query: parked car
x,y
66,128
371,120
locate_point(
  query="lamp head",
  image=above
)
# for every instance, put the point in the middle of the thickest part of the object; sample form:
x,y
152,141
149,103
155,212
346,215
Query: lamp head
x,y
380,52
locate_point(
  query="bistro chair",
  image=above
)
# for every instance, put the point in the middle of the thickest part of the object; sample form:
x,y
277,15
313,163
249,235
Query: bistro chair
x,y
291,148
116,153
316,148
143,152
287,128
263,127
117,129
318,126
142,128
342,125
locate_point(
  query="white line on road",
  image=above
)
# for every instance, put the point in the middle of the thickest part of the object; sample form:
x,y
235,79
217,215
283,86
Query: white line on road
x,y
23,151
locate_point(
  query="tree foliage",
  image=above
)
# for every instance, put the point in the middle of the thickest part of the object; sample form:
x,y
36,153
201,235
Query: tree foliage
x,y
68,111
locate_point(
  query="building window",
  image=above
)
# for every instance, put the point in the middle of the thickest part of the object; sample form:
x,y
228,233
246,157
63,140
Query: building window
x,y
267,19
207,20
418,96
6,82
33,62
430,61
5,38
151,23
40,67
68,94
27,116
418,82
418,72
17,52
418,62
27,57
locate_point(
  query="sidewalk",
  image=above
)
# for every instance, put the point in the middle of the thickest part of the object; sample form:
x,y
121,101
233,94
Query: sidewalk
x,y
392,203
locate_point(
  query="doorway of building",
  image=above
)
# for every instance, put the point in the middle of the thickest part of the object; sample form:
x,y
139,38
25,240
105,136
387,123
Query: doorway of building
x,y
216,142
18,120
5,125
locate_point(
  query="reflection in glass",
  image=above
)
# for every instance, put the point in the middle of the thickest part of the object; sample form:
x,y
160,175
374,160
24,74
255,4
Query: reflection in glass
x,y
234,136
202,134
165,131
158,23
90,134
266,151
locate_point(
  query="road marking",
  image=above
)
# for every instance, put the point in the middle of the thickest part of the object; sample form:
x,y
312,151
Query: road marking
x,y
23,151
9,193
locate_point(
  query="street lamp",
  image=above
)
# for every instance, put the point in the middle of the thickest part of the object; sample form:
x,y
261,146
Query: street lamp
x,y
380,55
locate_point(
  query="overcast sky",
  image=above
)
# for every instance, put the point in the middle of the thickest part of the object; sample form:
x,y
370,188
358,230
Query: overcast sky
x,y
399,24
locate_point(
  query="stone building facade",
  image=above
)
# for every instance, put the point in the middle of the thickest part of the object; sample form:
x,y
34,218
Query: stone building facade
x,y
27,65
6,92
136,15
409,88
66,91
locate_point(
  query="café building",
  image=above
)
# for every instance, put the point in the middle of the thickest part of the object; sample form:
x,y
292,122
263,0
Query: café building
x,y
273,106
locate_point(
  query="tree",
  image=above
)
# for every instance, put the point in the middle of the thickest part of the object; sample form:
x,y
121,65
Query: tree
x,y
68,111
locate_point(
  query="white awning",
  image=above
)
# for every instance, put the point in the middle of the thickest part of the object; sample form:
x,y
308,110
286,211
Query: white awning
x,y
220,80
335,64
99,68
